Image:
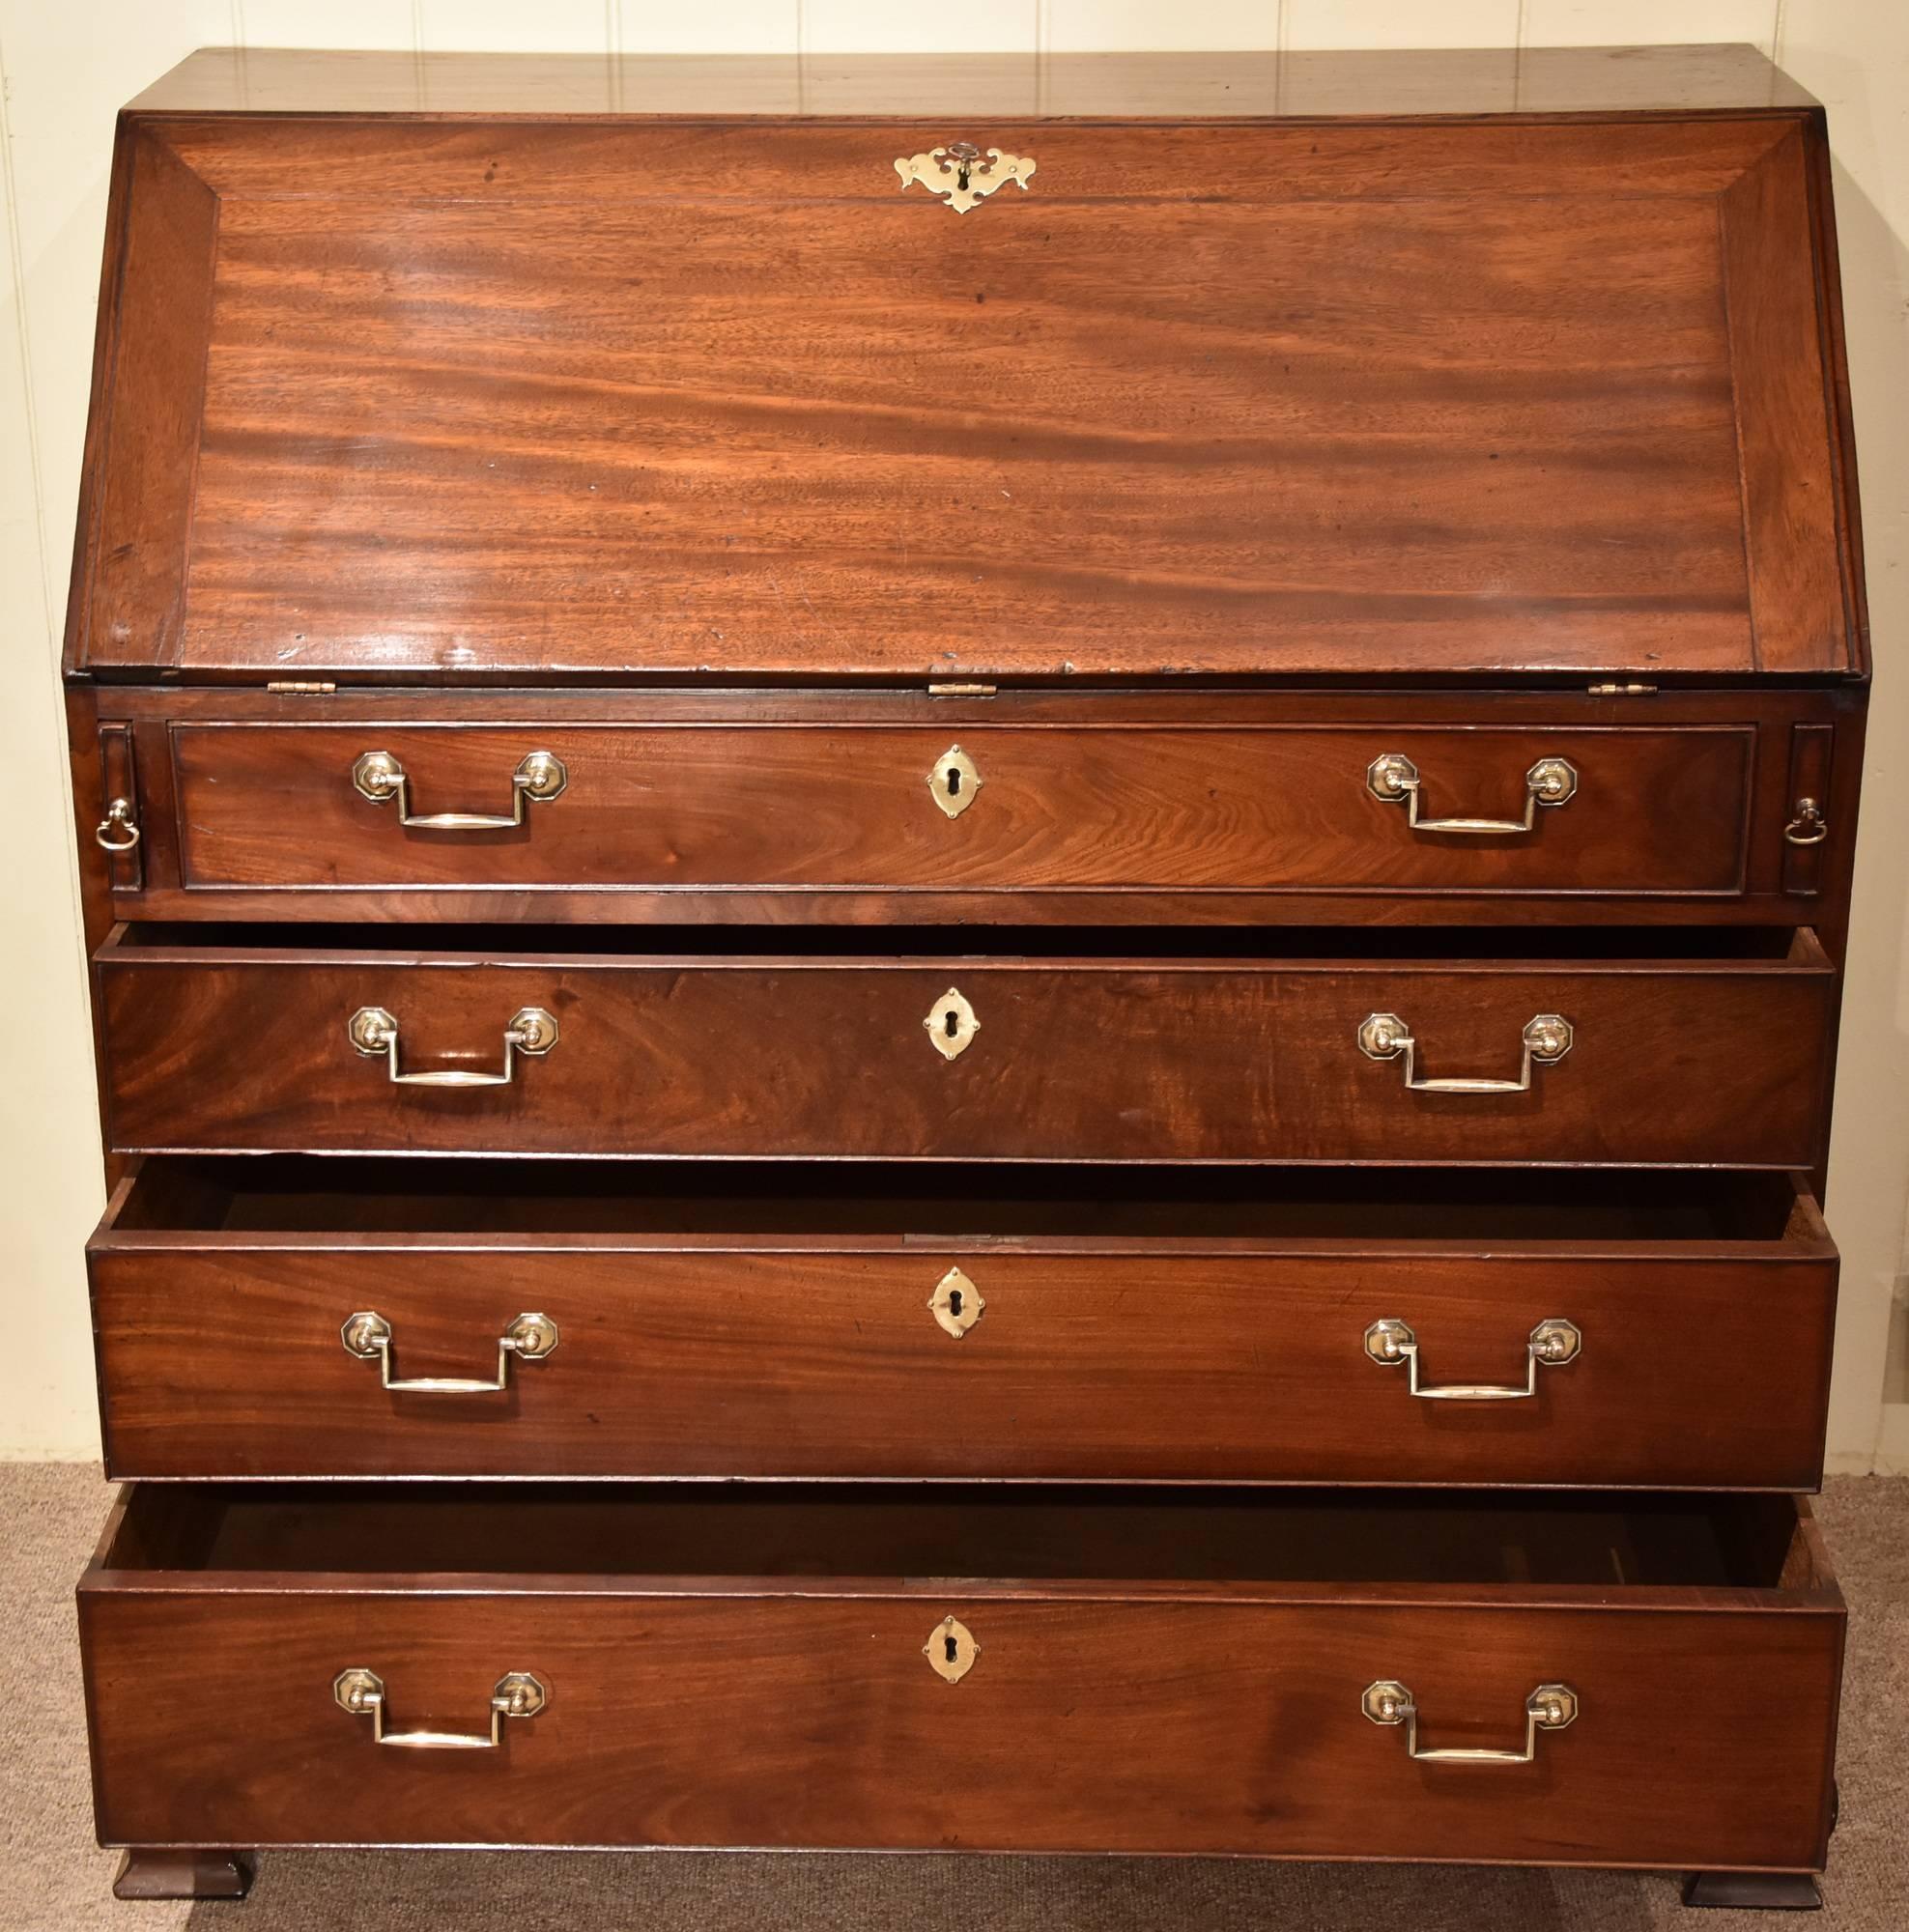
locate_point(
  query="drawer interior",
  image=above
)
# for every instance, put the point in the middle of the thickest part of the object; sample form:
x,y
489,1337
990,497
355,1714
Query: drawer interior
x,y
1246,946
322,1199
643,1534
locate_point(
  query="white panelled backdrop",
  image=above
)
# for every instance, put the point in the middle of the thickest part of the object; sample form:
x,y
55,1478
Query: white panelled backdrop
x,y
66,65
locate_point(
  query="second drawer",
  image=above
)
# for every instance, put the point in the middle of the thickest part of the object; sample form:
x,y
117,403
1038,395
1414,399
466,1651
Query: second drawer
x,y
882,1323
1609,1049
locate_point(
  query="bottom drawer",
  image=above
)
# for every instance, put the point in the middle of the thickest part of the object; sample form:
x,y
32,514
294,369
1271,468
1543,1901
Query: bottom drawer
x,y
1075,1670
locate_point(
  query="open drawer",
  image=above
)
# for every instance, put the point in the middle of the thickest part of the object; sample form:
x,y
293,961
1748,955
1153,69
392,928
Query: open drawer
x,y
364,1318
1602,1047
1647,1682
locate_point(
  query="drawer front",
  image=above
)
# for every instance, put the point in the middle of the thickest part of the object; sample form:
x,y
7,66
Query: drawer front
x,y
686,810
1677,1064
1176,1717
1704,1739
965,1361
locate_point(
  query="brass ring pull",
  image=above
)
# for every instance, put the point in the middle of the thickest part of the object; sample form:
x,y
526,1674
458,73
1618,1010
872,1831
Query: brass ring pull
x,y
1547,1039
362,1692
540,776
367,1335
1550,1707
1553,1342
1394,779
119,819
1809,827
373,1030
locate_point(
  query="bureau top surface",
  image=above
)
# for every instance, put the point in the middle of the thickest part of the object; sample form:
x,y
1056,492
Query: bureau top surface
x,y
1232,366
1120,86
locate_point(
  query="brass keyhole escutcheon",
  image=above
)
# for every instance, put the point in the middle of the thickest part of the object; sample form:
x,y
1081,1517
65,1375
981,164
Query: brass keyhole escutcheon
x,y
956,1303
951,1024
953,782
952,1650
962,175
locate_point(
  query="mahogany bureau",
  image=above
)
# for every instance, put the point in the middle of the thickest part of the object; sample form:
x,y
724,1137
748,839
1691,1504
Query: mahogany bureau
x,y
1023,886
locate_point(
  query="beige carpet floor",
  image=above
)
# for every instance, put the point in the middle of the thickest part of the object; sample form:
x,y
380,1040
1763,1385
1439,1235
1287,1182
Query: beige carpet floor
x,y
54,1878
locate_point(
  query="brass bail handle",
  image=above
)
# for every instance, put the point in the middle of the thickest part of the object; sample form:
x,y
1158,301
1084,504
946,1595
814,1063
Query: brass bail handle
x,y
1393,779
367,1335
1547,1038
1552,1344
1550,1707
539,774
373,1032
517,1694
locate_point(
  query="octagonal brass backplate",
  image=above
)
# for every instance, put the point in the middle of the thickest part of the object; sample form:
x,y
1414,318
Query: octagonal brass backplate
x,y
364,1333
519,1694
533,1029
371,1029
1555,1340
354,1690
1553,780
543,774
1554,1707
532,1336
956,1303
1383,1036
952,1650
1390,775
951,1024
1549,1035
1387,1340
953,782
376,775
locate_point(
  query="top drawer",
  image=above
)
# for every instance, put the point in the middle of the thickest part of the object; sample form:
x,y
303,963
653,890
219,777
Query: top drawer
x,y
1398,807
1093,808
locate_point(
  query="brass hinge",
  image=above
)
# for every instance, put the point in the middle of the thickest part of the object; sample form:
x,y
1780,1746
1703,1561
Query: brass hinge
x,y
1622,689
300,687
960,691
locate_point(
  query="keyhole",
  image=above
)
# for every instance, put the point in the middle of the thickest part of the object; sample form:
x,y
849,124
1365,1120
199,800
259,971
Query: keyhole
x,y
951,1022
955,1302
951,1648
953,782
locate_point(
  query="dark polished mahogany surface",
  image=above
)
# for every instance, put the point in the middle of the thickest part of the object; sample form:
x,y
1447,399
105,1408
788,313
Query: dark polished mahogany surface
x,y
211,1047
1178,1676
1134,807
1474,408
1697,79
1187,1327
688,393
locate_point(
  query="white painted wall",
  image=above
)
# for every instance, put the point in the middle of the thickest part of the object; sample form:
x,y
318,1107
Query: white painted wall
x,y
68,63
